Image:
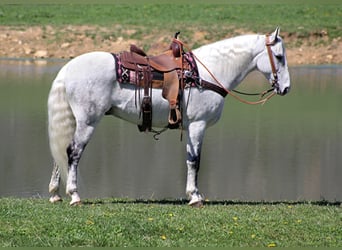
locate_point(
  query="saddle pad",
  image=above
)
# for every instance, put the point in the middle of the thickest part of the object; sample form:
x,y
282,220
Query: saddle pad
x,y
126,75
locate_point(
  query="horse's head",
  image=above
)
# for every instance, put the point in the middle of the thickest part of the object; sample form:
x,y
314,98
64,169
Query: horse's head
x,y
273,64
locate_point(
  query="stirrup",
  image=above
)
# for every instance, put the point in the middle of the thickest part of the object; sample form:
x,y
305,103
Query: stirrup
x,y
175,118
146,111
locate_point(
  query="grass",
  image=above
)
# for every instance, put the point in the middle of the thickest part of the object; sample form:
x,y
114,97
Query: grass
x,y
216,19
111,222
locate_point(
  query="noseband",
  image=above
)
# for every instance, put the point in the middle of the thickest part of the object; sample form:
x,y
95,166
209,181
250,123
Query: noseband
x,y
270,56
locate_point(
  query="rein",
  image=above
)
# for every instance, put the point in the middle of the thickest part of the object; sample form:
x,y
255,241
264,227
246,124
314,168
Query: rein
x,y
230,92
253,94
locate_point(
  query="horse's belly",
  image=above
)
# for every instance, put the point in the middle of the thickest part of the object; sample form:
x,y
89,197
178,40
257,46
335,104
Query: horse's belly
x,y
127,103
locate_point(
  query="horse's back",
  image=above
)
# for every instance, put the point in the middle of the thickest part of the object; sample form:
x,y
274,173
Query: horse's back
x,y
92,64
90,68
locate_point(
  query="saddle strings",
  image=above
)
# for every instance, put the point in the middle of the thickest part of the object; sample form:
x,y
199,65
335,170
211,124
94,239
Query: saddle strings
x,y
261,101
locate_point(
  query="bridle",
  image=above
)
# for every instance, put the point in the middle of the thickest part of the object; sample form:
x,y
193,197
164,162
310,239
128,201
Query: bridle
x,y
275,84
230,92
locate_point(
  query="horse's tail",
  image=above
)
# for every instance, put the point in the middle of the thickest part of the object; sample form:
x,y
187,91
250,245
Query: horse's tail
x,y
61,123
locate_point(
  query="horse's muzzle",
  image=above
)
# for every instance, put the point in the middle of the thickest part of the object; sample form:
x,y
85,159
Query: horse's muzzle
x,y
284,92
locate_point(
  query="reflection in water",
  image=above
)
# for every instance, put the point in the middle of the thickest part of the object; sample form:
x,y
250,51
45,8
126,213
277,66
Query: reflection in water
x,y
288,149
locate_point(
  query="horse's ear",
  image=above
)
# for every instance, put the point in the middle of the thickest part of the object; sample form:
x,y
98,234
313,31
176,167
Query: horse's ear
x,y
276,32
275,35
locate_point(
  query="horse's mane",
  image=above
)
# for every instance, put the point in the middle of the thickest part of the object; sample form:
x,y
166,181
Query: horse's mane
x,y
229,56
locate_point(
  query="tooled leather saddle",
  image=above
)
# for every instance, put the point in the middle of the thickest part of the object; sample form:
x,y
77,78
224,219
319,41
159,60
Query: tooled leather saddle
x,y
162,71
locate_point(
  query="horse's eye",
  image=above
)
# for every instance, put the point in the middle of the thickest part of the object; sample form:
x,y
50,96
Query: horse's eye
x,y
279,57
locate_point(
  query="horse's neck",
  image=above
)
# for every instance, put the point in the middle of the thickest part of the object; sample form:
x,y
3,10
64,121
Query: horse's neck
x,y
229,60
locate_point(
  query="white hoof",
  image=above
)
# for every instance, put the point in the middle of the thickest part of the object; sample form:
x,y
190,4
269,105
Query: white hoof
x,y
76,203
196,201
197,204
75,199
55,198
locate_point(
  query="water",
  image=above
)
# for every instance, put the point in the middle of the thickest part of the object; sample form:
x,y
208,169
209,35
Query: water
x,y
288,149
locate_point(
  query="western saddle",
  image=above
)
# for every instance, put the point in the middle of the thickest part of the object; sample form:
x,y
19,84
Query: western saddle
x,y
161,71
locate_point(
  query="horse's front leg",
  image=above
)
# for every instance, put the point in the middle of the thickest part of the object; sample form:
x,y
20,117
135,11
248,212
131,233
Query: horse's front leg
x,y
195,137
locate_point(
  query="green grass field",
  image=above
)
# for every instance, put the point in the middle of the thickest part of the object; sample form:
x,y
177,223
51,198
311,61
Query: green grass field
x,y
35,222
219,19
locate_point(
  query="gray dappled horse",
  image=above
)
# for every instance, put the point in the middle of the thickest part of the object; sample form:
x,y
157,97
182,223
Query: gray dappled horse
x,y
86,89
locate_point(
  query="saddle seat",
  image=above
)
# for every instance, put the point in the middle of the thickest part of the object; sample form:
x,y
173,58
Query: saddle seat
x,y
165,62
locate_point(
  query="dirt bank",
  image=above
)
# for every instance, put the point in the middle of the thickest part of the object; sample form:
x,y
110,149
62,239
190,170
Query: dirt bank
x,y
70,41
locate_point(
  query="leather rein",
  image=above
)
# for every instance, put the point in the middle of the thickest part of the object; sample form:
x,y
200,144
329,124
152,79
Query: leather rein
x,y
223,91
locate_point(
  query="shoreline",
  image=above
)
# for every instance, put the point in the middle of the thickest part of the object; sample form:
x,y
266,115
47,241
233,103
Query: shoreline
x,y
65,43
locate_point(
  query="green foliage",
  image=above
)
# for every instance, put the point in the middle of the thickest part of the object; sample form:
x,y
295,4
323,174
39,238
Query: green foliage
x,y
35,222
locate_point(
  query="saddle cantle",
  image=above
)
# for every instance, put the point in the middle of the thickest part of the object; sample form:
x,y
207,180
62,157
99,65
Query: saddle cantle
x,y
146,69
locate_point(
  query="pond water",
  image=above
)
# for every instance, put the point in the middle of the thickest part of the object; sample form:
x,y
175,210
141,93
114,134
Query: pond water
x,y
288,149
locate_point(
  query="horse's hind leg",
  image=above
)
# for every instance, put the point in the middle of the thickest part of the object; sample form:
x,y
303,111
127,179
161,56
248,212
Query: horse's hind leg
x,y
74,152
54,184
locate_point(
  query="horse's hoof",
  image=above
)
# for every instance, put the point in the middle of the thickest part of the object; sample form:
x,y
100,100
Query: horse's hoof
x,y
55,198
196,204
75,203
75,199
